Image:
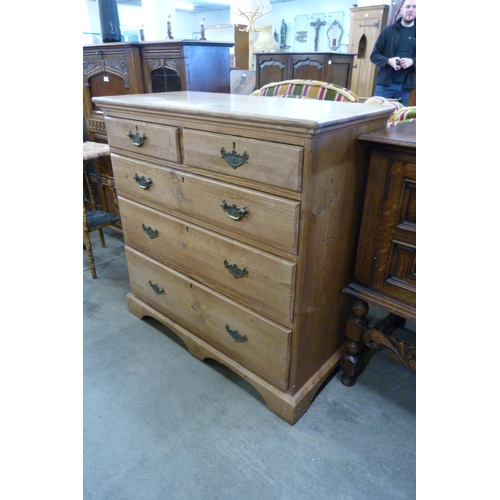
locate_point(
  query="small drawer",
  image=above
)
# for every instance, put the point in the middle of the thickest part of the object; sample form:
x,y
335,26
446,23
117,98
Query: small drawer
x,y
258,344
272,220
250,159
149,139
254,278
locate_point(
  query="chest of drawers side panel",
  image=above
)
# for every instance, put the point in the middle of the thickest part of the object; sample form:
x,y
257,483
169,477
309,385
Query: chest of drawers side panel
x,y
335,173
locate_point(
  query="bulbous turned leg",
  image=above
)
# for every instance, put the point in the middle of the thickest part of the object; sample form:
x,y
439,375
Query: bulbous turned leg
x,y
352,360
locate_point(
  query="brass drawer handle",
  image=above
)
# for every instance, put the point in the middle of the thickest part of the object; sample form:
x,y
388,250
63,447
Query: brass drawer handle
x,y
234,159
152,233
236,336
136,138
233,212
158,289
143,182
235,270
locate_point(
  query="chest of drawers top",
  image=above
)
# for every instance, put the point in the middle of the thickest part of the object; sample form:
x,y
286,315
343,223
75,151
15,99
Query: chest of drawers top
x,y
257,114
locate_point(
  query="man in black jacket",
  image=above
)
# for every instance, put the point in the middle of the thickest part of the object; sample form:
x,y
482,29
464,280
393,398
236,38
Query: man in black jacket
x,y
395,54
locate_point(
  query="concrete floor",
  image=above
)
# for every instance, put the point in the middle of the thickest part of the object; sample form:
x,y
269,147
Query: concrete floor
x,y
161,425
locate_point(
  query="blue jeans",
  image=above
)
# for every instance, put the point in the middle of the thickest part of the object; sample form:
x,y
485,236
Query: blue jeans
x,y
394,91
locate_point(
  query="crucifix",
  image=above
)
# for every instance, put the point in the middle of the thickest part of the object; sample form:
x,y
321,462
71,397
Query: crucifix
x,y
317,25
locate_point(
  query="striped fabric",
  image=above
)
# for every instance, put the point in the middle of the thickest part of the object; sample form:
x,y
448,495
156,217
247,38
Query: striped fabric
x,y
307,89
401,113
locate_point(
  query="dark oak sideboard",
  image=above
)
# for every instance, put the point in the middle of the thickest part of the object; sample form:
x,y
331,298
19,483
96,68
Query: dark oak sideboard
x,y
324,66
385,270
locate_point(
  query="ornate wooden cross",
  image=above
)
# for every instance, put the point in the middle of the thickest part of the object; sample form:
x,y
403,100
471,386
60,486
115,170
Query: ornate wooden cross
x,y
317,25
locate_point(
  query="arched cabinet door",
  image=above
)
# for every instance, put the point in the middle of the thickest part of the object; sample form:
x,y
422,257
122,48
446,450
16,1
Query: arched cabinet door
x,y
108,69
163,75
165,80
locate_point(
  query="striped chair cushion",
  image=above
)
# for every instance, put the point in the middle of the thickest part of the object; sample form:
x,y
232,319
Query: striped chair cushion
x,y
307,89
401,113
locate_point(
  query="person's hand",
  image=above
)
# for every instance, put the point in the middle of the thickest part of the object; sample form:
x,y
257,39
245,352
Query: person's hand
x,y
406,62
394,62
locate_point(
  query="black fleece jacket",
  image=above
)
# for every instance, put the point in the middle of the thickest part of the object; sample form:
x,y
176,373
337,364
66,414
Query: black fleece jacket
x,y
385,48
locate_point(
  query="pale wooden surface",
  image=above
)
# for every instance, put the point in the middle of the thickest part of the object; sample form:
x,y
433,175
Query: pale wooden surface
x,y
239,108
268,287
93,150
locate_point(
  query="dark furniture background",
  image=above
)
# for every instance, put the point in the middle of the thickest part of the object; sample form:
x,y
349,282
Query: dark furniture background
x,y
147,67
143,67
324,66
385,271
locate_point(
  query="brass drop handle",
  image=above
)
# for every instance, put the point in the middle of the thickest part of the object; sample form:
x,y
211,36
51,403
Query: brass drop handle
x,y
236,336
158,289
235,270
234,212
136,138
142,181
152,233
233,158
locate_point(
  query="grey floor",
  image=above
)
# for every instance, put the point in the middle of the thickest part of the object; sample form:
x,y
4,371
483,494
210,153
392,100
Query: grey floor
x,y
160,425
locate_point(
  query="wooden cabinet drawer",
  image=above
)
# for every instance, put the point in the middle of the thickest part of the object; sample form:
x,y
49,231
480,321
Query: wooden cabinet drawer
x,y
272,220
267,162
251,340
262,281
161,141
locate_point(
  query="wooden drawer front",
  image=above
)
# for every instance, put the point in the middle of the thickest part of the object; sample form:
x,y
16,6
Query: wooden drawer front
x,y
251,340
268,162
262,281
161,141
270,219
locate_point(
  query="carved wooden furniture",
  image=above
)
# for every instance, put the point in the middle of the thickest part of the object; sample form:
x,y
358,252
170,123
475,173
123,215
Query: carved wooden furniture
x,y
96,178
385,272
323,66
136,68
240,221
366,25
199,65
108,69
141,67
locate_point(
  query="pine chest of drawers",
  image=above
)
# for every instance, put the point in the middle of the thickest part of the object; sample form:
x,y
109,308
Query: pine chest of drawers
x,y
240,216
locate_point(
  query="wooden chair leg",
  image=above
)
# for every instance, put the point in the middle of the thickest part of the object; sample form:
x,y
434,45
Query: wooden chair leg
x,y
90,255
101,237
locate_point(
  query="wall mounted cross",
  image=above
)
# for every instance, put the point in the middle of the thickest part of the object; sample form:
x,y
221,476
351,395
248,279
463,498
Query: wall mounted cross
x,y
317,25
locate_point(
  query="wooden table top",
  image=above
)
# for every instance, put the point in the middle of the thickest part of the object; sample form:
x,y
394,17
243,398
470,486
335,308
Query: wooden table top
x,y
92,150
401,135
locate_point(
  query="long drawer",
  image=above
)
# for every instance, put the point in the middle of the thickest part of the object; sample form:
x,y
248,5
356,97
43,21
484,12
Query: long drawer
x,y
273,220
149,139
251,340
252,277
262,161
